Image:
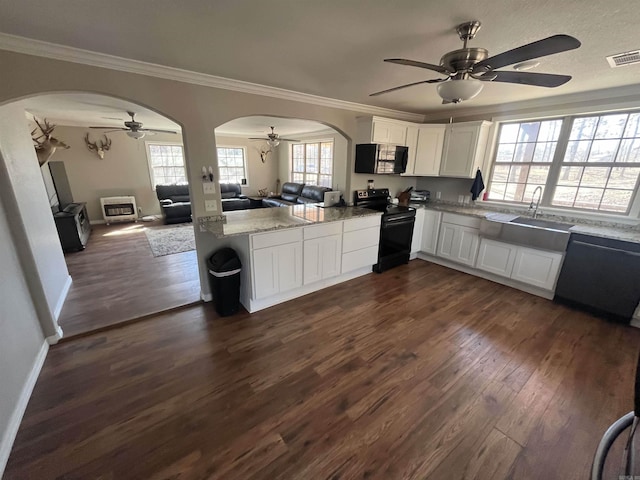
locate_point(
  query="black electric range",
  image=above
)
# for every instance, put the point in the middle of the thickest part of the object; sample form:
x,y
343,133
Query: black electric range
x,y
396,227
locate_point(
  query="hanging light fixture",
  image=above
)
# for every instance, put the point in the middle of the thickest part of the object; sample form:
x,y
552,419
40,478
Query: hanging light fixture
x,y
136,134
456,91
273,142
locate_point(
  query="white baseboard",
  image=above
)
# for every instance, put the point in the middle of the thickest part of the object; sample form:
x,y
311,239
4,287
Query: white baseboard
x,y
10,433
62,297
56,337
206,297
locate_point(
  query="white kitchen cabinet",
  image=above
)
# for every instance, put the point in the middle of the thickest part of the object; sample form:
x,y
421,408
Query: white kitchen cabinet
x,y
464,149
496,257
458,243
429,150
430,231
536,267
277,268
416,239
382,130
412,145
322,258
360,243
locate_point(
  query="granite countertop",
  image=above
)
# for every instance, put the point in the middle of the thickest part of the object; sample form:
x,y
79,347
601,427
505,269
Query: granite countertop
x,y
629,233
244,222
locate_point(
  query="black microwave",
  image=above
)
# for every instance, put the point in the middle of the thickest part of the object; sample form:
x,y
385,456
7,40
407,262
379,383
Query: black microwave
x,y
381,158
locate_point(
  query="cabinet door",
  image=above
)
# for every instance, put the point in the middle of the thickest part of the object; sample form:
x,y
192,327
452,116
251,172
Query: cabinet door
x,y
322,258
467,248
265,272
416,240
331,255
536,267
389,132
430,230
429,150
412,144
289,259
446,240
458,157
496,257
312,260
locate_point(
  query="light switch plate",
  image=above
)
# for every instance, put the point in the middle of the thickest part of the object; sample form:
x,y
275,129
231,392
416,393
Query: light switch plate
x,y
209,188
211,205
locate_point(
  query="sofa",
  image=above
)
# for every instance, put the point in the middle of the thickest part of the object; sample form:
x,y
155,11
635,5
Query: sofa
x,y
174,202
296,193
232,197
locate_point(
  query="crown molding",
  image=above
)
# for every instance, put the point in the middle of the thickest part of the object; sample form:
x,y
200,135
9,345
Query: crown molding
x,y
29,46
613,98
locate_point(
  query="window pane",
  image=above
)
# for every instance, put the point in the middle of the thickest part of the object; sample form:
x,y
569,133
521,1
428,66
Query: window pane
x,y
509,133
501,173
298,177
588,198
528,193
528,132
538,175
505,152
519,173
544,152
626,178
603,150
595,176
633,126
616,200
577,151
524,152
325,181
570,176
514,192
564,196
310,179
611,126
583,128
629,151
549,131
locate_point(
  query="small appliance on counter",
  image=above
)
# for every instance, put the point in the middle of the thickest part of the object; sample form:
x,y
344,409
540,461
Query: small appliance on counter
x,y
420,196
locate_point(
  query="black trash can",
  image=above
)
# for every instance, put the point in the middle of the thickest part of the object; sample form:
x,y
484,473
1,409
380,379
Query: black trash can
x,y
224,275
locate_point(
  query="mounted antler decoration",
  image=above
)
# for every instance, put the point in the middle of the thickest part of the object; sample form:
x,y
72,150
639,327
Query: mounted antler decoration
x,y
98,148
45,144
263,153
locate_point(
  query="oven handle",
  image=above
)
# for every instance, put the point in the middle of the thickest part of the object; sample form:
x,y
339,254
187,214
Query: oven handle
x,y
393,221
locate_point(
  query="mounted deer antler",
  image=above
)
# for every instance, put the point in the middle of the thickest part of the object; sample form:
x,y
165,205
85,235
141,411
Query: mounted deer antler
x,y
45,144
263,153
99,149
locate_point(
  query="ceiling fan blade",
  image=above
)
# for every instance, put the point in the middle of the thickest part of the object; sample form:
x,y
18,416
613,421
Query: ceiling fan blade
x,y
288,140
527,78
541,48
413,63
112,128
436,80
258,138
155,130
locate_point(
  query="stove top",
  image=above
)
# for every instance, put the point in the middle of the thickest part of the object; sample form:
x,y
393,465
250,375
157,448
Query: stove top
x,y
378,199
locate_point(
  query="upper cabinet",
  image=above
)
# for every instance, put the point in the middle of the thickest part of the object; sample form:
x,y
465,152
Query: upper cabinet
x,y
425,144
382,130
464,149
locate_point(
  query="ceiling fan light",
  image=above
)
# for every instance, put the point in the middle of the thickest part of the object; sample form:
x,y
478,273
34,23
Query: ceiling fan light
x,y
273,142
136,135
456,91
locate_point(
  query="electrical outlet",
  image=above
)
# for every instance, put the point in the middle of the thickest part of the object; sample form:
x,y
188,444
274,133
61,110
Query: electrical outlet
x,y
460,199
211,205
209,188
438,195
467,199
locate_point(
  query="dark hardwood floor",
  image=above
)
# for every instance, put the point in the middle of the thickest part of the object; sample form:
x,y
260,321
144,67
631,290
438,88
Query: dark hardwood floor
x,y
421,372
117,279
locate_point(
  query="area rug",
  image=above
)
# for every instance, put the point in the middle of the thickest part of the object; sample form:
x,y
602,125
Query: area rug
x,y
171,239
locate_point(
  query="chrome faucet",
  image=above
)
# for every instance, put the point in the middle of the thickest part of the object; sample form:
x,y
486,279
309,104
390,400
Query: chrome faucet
x,y
537,204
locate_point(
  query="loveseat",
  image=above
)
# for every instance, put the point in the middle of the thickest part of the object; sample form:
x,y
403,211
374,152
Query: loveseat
x,y
232,197
294,193
174,202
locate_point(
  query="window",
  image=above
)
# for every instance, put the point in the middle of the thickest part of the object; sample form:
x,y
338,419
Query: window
x,y
231,166
589,163
166,163
312,163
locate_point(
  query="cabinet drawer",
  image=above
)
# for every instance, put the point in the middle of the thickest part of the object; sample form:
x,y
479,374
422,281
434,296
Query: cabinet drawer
x,y
358,259
317,231
359,239
362,223
271,239
463,220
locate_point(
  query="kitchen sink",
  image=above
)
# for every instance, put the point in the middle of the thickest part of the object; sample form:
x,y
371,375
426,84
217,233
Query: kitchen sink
x,y
527,231
546,224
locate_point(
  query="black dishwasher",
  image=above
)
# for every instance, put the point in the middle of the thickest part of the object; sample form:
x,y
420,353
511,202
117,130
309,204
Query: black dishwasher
x,y
601,274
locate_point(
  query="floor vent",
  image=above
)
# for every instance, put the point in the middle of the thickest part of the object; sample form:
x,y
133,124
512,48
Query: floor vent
x,y
623,59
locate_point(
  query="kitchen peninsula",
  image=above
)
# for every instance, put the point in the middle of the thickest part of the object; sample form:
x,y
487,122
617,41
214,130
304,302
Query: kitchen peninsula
x,y
287,252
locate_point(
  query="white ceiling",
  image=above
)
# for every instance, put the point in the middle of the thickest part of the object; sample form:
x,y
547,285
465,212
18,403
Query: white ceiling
x,y
88,109
258,126
335,48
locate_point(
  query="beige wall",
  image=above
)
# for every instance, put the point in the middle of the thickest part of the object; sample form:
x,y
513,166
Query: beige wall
x,y
123,171
259,175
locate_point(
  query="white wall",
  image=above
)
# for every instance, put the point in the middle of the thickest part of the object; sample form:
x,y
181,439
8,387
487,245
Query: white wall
x,y
259,175
123,171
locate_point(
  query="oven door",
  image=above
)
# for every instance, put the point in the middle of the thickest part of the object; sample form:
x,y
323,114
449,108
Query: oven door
x,y
396,234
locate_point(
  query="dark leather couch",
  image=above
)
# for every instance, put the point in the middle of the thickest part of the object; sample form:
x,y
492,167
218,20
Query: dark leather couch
x,y
232,197
175,203
295,193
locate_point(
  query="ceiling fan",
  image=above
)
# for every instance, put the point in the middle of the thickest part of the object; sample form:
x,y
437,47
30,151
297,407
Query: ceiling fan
x,y
134,129
273,139
465,69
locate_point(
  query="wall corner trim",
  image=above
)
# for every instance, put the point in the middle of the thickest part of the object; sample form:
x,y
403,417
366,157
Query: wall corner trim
x,y
56,337
9,436
62,298
29,46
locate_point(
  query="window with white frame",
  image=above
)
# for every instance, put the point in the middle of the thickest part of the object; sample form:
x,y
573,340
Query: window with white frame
x,y
312,163
231,165
166,163
585,162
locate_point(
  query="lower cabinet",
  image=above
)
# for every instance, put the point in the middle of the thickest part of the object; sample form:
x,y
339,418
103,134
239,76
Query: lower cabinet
x,y
458,243
416,239
430,230
360,242
277,269
322,258
527,265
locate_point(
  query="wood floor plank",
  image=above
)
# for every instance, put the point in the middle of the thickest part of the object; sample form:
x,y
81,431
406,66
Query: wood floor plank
x,y
421,372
